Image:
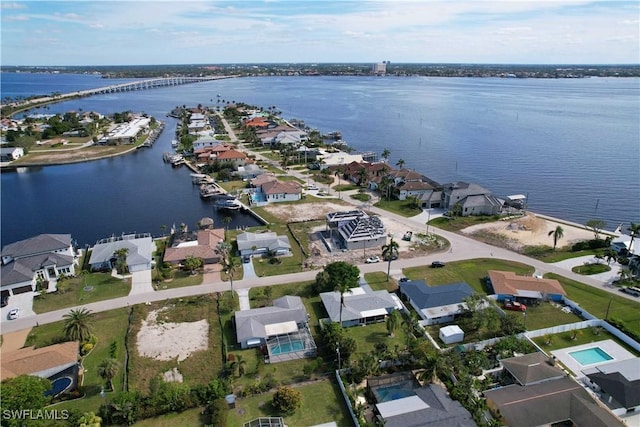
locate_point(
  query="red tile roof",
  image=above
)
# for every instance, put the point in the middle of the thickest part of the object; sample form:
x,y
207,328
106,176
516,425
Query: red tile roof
x,y
30,360
508,283
231,154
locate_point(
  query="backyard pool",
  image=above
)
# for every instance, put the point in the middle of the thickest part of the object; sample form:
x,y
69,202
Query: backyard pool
x,y
589,356
287,347
394,392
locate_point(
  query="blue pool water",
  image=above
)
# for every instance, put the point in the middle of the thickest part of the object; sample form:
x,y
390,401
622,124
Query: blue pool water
x,y
287,347
394,392
590,356
58,386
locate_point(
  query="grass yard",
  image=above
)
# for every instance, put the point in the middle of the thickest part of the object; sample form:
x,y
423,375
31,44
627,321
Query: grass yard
x,y
546,315
233,186
108,326
190,417
322,402
602,304
181,279
400,207
345,187
378,281
471,271
368,336
589,269
582,336
363,197
104,287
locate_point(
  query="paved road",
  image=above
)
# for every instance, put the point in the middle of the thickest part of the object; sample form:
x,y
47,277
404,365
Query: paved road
x,y
463,248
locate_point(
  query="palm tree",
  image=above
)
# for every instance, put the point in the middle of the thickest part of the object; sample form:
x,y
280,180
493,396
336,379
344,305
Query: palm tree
x,y
634,231
230,266
121,260
400,163
77,324
343,289
362,176
385,154
388,252
227,220
557,233
393,322
108,369
241,365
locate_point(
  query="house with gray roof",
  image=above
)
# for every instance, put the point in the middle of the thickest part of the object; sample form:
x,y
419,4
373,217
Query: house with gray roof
x,y
357,230
281,330
436,304
618,384
139,247
362,306
42,258
470,199
263,243
543,395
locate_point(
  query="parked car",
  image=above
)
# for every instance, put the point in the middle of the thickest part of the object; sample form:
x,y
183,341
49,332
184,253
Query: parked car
x,y
631,290
515,306
437,264
14,313
372,259
404,279
246,259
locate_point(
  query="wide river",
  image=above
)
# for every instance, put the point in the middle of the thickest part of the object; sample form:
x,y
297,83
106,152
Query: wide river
x,y
571,145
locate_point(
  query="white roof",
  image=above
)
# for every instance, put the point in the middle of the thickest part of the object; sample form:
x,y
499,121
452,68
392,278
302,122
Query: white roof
x,y
280,328
375,312
517,197
528,294
401,406
450,330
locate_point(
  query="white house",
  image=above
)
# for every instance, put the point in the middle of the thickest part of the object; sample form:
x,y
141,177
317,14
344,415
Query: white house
x,y
8,154
362,306
263,243
139,256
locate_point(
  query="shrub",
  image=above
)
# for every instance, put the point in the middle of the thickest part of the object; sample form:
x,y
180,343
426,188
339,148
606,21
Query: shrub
x,y
86,348
218,413
286,400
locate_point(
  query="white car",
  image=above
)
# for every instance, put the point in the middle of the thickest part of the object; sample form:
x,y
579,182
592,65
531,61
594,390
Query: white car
x,y
372,259
14,313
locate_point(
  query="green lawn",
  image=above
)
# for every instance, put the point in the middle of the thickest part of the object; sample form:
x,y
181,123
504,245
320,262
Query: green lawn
x,y
368,336
190,417
400,207
546,315
108,326
582,336
602,304
233,186
103,287
471,271
378,281
345,187
363,197
322,402
181,279
588,269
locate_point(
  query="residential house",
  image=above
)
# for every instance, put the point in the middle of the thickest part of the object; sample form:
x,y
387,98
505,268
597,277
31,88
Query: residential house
x,y
282,191
139,247
339,158
359,233
232,157
281,331
57,363
507,285
542,394
268,135
362,306
618,384
203,244
42,258
415,405
470,199
263,243
250,171
205,139
258,123
437,304
9,154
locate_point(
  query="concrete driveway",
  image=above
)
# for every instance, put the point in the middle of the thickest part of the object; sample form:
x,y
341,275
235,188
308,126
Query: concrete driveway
x,y
249,271
141,282
22,301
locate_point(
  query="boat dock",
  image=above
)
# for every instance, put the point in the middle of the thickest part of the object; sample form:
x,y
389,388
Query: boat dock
x,y
153,136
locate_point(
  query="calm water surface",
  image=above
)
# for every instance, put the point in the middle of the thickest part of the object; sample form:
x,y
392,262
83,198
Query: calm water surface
x,y
571,145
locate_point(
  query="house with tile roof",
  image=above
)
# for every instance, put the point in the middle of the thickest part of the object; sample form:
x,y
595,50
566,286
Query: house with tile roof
x,y
232,157
262,243
362,306
507,285
437,304
42,258
203,244
282,191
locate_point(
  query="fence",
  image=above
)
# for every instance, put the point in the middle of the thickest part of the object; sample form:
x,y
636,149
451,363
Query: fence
x,y
346,399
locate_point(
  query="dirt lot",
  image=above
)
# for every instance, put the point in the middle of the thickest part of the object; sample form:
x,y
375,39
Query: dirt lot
x,y
530,230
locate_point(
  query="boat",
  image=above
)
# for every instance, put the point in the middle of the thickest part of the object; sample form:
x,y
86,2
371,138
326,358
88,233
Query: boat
x,y
210,190
230,204
174,143
201,178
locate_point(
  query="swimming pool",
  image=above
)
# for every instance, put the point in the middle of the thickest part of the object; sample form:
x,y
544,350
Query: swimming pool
x,y
394,392
287,347
589,356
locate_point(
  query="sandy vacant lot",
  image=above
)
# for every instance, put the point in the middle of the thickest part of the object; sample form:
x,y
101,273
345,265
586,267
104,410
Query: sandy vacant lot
x,y
531,230
167,341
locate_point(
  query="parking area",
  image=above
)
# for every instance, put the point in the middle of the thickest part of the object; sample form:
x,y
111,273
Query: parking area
x,y
23,302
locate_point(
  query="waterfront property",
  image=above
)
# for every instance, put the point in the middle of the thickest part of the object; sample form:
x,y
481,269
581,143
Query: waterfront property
x,y
37,260
362,306
270,189
202,244
57,363
263,243
437,304
542,394
8,154
469,199
139,248
126,133
281,331
507,285
400,401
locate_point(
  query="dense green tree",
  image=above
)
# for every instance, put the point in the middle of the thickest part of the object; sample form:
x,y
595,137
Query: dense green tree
x,y
192,263
634,231
286,400
393,322
337,272
121,260
400,163
89,419
21,393
78,324
107,370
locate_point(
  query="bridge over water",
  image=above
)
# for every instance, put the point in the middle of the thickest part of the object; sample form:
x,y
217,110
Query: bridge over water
x,y
146,84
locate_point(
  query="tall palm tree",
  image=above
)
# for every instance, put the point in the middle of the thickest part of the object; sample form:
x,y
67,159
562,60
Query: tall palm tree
x,y
227,220
557,233
400,163
230,266
634,231
385,154
388,252
121,260
241,365
108,369
386,185
393,321
77,324
343,289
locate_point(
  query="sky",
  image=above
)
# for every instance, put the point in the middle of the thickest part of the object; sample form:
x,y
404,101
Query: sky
x,y
142,32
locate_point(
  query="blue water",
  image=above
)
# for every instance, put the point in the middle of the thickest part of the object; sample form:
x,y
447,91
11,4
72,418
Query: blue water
x,y
590,356
572,145
288,347
394,392
58,386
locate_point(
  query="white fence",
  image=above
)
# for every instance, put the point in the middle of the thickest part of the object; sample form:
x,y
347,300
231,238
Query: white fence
x,y
346,399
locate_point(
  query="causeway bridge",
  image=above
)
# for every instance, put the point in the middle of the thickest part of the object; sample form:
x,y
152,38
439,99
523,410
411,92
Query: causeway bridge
x,y
146,84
